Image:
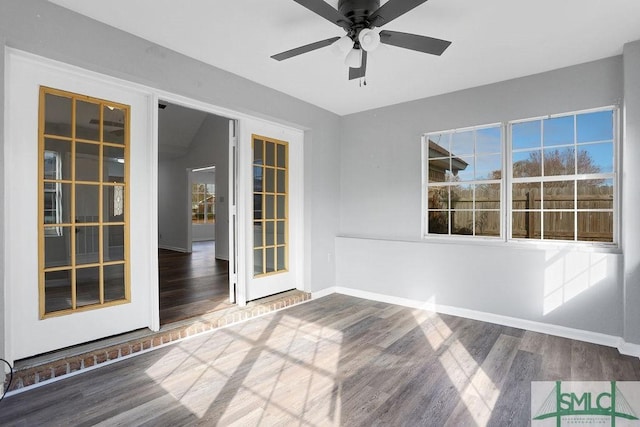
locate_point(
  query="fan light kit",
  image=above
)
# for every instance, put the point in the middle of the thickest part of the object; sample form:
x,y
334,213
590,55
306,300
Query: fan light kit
x,y
361,20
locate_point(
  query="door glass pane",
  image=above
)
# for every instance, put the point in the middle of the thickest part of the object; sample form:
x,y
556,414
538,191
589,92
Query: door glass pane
x,y
113,203
57,203
114,124
270,180
281,258
57,115
270,154
282,181
87,197
270,262
87,120
281,207
87,244
281,233
257,261
258,152
257,206
57,157
87,286
269,206
57,291
113,164
270,233
87,168
114,282
57,247
281,156
257,235
113,242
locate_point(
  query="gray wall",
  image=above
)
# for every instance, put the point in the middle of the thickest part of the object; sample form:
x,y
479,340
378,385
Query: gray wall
x,y
381,248
210,146
45,29
630,193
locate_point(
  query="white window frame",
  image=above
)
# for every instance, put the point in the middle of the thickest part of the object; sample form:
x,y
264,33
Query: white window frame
x,y
506,204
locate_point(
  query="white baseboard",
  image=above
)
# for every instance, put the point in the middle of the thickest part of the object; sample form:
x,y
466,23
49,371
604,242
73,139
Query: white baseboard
x,y
173,248
514,322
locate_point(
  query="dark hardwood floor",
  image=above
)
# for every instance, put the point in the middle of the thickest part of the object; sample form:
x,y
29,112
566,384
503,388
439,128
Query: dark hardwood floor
x,y
336,360
192,284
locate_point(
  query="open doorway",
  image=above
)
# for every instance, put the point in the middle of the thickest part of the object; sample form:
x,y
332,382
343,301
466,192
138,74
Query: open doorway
x,y
193,225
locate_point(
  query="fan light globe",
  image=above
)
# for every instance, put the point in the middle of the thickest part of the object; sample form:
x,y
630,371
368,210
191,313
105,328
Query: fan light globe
x,y
354,58
369,39
342,45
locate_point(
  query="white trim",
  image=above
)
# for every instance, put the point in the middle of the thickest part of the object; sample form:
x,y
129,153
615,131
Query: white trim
x,y
173,248
529,325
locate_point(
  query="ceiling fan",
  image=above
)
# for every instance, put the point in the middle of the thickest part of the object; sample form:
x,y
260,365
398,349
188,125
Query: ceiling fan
x,y
361,20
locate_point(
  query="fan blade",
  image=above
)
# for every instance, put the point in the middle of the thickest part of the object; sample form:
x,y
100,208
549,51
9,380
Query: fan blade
x,y
304,49
414,42
322,8
391,10
356,73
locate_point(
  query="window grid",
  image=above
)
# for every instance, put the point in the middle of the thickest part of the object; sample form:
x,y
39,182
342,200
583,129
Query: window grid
x,y
75,259
270,177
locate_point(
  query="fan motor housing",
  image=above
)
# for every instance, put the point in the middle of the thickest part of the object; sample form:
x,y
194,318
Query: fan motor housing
x,y
358,10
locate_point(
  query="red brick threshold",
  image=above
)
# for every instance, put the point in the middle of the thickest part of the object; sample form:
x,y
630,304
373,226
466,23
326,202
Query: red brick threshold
x,y
34,372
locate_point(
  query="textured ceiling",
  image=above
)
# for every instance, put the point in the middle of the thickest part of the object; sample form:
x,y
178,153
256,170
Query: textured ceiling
x,y
493,40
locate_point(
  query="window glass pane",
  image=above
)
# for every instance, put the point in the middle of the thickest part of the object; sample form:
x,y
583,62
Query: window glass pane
x,y
558,131
526,195
438,222
258,265
488,196
527,164
87,120
57,247
462,143
87,244
281,156
114,289
270,211
439,170
87,162
57,115
462,222
489,166
113,203
595,158
559,161
595,194
87,286
87,203
488,140
438,197
282,181
270,232
281,233
113,164
113,243
257,152
438,145
526,225
281,258
558,225
526,135
270,154
257,234
57,291
462,168
596,126
270,180
558,195
270,262
487,223
462,196
595,226
114,124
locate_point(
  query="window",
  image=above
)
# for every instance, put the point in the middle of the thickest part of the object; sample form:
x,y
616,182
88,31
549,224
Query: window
x,y
203,201
83,216
270,206
560,180
563,177
464,182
